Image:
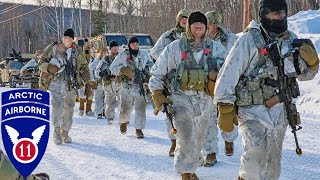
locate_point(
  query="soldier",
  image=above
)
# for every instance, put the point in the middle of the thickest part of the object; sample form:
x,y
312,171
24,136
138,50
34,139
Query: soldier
x,y
8,172
196,59
63,70
133,66
210,147
165,39
259,76
111,83
99,93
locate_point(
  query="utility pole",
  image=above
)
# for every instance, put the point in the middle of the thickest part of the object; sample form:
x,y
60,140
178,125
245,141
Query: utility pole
x,y
246,15
90,17
80,19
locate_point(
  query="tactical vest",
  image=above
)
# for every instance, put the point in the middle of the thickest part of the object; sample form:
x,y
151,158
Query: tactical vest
x,y
105,67
191,75
262,82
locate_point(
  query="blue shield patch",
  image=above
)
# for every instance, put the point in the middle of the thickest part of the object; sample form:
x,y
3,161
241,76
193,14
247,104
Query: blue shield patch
x,y
25,123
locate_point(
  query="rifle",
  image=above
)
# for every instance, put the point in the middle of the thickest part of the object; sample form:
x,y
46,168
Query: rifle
x,y
140,79
288,89
169,113
71,71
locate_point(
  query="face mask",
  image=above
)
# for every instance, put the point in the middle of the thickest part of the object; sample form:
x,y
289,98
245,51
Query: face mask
x,y
275,26
133,52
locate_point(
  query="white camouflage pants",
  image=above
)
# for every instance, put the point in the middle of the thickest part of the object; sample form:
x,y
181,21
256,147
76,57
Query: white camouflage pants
x,y
110,95
191,121
62,104
263,132
129,98
169,130
211,141
81,93
99,99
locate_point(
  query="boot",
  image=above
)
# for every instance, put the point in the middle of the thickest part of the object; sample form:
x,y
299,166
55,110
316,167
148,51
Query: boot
x,y
228,148
139,134
81,107
211,159
123,128
41,176
172,148
194,176
186,176
65,137
110,120
89,112
240,178
99,116
57,139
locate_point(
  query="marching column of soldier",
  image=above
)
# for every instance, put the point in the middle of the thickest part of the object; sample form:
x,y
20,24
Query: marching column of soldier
x,y
203,77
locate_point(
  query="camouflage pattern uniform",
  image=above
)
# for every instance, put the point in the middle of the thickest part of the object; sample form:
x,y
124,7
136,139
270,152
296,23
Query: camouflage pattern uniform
x,y
8,172
24,72
111,86
165,39
130,95
227,39
192,107
263,129
99,94
63,95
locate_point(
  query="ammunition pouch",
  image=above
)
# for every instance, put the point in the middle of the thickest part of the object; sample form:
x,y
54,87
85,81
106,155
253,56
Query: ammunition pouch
x,y
193,79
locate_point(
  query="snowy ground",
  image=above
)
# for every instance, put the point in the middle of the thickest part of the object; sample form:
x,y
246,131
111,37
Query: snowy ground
x,y
99,151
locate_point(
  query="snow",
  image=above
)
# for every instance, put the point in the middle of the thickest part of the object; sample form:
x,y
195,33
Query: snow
x,y
99,151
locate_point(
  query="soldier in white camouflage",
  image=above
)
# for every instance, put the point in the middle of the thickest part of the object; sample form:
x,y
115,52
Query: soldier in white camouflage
x,y
258,82
196,60
134,68
164,40
210,148
8,172
63,70
111,83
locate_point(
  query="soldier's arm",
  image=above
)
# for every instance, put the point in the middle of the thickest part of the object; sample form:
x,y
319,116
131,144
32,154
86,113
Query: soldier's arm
x,y
45,58
159,46
118,63
83,68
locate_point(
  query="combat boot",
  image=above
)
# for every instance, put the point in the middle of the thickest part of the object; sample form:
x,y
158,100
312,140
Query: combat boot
x,y
41,176
89,112
240,178
228,148
172,148
187,176
123,128
110,120
81,107
57,139
99,116
211,159
66,138
194,176
139,134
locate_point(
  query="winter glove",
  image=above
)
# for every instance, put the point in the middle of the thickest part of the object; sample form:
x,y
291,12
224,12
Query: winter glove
x,y
309,55
212,77
159,99
226,117
126,71
52,68
103,73
94,85
88,90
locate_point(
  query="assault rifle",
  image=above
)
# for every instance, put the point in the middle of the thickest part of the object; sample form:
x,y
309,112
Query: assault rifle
x,y
71,70
140,79
288,89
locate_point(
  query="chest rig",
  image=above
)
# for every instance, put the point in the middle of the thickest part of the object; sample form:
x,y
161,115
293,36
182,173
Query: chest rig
x,y
191,75
264,80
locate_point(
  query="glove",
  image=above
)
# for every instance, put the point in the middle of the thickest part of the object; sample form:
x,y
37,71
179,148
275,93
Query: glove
x,y
94,85
212,76
88,90
103,73
159,99
309,55
127,72
52,68
227,117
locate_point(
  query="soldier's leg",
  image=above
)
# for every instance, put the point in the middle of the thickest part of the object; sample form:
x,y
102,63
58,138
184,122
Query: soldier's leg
x,y
126,105
229,137
69,103
89,111
110,102
186,153
98,100
139,116
253,162
275,153
82,100
210,146
56,99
